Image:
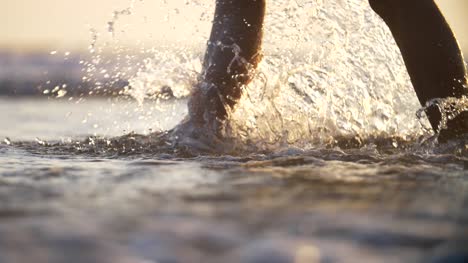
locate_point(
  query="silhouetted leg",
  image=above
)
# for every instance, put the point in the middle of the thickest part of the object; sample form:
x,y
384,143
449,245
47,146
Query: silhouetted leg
x,y
431,54
233,52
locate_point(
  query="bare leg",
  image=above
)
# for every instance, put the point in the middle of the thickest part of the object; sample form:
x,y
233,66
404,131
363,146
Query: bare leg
x,y
431,54
232,54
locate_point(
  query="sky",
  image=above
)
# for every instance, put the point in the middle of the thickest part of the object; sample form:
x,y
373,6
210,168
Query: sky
x,y
66,24
36,24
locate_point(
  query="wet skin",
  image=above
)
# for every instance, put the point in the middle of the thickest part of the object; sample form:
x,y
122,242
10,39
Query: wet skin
x,y
233,52
428,46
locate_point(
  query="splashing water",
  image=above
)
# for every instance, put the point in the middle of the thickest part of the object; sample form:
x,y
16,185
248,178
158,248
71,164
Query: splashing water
x,y
449,108
333,69
329,69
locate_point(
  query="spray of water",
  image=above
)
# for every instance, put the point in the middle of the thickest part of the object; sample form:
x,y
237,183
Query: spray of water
x,y
330,69
333,70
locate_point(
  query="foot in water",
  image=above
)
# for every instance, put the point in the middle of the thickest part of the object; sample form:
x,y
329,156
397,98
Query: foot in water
x,y
428,46
432,57
232,55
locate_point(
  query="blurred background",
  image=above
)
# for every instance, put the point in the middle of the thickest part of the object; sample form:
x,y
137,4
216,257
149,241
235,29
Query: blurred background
x,y
44,44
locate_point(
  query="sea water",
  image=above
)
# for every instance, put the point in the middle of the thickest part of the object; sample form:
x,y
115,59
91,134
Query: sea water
x,y
330,164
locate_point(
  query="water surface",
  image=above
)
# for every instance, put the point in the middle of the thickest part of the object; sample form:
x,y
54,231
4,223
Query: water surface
x,y
326,160
64,200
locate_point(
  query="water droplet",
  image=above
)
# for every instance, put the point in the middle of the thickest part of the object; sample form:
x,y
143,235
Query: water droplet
x,y
39,141
55,89
61,93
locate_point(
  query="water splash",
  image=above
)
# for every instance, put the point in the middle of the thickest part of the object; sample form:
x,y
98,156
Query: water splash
x,y
450,108
172,67
333,70
117,14
330,70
